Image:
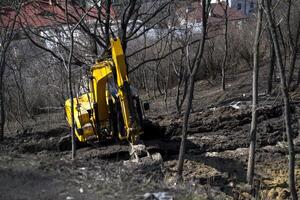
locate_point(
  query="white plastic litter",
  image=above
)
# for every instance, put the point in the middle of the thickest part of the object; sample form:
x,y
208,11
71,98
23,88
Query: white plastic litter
x,y
236,105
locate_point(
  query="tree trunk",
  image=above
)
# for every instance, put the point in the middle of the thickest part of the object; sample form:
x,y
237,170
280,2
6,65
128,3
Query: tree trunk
x,y
71,95
72,99
251,156
271,65
146,83
2,111
185,128
167,87
226,46
292,62
180,77
2,98
193,72
157,80
298,78
180,101
285,95
107,22
293,45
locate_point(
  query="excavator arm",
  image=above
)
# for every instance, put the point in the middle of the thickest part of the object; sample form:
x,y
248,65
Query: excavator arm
x,y
131,126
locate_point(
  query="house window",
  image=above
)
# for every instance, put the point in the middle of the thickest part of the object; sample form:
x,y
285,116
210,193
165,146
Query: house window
x,y
239,6
251,5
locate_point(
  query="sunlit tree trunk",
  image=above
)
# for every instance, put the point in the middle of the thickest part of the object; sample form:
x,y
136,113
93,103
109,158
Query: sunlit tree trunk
x,y
251,156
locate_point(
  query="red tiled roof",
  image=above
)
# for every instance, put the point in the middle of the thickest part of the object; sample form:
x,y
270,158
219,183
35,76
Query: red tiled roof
x,y
37,14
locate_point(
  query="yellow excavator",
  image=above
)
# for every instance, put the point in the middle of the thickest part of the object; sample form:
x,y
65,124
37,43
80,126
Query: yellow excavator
x,y
110,108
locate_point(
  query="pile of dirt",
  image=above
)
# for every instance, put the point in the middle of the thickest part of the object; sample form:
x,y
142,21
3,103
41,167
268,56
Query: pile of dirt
x,y
227,128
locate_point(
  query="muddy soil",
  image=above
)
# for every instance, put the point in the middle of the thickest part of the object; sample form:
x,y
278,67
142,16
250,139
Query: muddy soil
x,y
32,166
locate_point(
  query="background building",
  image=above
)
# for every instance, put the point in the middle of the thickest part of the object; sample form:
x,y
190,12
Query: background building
x,y
247,7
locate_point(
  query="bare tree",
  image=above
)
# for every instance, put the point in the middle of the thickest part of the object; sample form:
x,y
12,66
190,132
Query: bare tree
x,y
285,96
192,73
251,156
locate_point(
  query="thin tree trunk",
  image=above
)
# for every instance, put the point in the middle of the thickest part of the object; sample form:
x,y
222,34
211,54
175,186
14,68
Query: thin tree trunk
x,y
226,47
292,44
271,65
285,95
298,78
146,83
251,156
21,94
154,88
166,87
72,99
69,67
180,77
107,22
195,67
293,56
2,111
180,101
283,42
157,80
185,128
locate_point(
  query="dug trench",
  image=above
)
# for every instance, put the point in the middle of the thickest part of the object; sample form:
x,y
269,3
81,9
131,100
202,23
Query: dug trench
x,y
216,157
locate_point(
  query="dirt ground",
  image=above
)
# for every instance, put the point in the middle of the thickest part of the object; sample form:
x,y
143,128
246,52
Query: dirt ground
x,y
32,167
